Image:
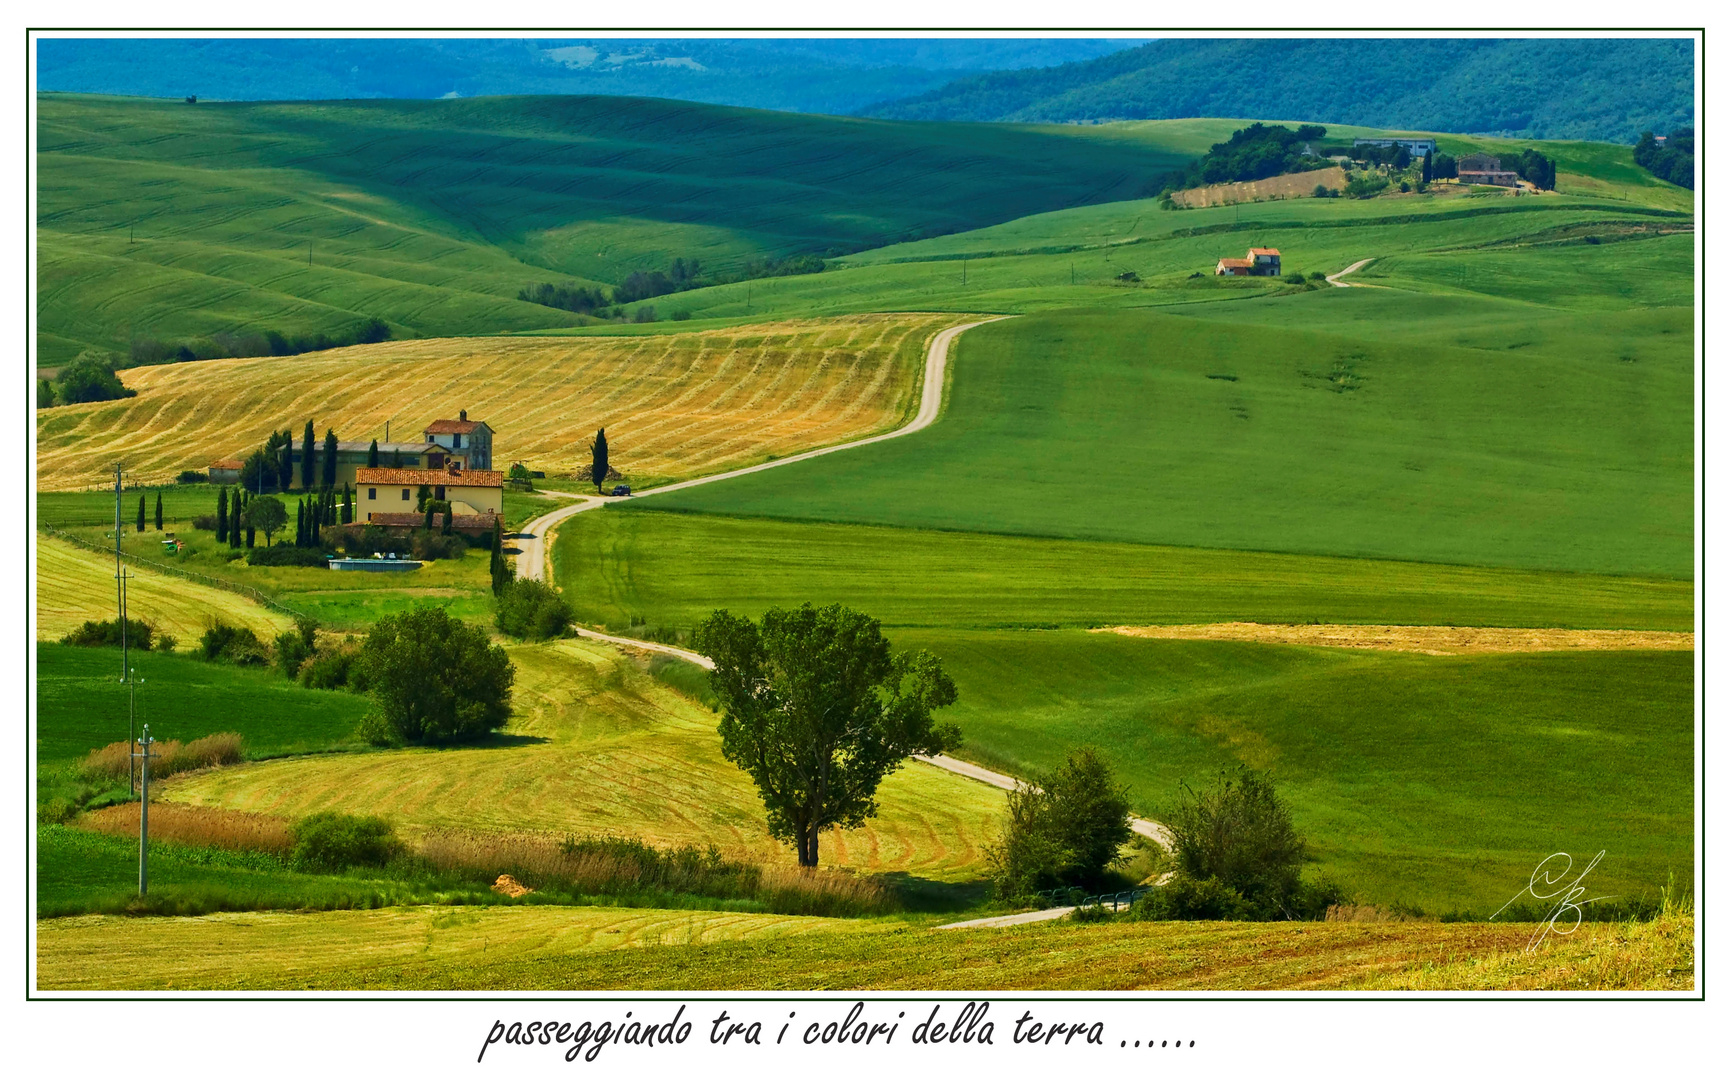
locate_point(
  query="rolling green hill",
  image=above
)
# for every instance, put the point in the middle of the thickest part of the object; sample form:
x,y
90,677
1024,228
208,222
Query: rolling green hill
x,y
1145,426
163,219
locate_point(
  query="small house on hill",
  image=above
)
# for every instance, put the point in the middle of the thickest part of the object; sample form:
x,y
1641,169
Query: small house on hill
x,y
1257,262
1485,169
1416,147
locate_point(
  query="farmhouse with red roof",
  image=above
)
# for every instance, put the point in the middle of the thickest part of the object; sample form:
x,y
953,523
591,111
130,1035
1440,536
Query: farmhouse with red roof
x,y
1257,262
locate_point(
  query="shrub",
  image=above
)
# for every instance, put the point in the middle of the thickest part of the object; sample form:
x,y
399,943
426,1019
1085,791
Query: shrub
x,y
107,632
434,679
286,555
235,644
333,842
681,315
1294,278
1318,275
1185,897
294,647
1239,831
166,643
168,756
531,610
1065,830
644,314
207,522
428,546
192,476
330,669
1321,192
90,377
1091,913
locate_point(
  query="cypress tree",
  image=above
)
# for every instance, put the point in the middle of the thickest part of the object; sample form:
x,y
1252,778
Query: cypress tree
x,y
396,459
422,496
222,516
307,457
159,511
427,523
234,523
141,513
449,514
1425,173
300,523
501,570
285,466
373,455
329,464
348,506
249,533
598,459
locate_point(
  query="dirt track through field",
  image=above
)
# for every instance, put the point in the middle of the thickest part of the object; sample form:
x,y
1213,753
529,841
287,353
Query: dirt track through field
x,y
1434,640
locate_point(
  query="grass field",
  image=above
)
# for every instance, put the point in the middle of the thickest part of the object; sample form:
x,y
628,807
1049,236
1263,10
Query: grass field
x,y
74,586
1437,782
633,949
648,567
1147,427
81,704
596,746
674,405
163,220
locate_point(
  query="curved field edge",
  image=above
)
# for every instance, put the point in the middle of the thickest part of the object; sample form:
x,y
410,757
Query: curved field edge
x,y
632,949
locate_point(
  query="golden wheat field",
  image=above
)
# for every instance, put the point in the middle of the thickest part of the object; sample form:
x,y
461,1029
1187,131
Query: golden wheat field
x,y
600,747
74,586
674,405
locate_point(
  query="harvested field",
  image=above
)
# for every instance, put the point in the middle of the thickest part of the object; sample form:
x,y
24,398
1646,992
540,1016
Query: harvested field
x,y
1434,640
1289,186
200,826
74,586
674,405
560,948
605,749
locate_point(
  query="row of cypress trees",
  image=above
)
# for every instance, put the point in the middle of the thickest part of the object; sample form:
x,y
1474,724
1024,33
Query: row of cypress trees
x,y
229,526
158,512
319,509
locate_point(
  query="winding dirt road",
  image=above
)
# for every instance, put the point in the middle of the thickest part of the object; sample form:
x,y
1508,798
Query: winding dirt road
x,y
1334,278
532,552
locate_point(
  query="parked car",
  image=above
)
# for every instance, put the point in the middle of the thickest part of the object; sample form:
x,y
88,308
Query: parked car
x,y
621,489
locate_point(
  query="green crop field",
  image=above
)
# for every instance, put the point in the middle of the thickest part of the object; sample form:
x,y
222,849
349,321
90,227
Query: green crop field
x,y
161,219
1433,781
645,567
1144,426
81,704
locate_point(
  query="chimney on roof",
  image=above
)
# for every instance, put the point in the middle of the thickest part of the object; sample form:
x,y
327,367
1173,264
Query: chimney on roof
x,y
462,414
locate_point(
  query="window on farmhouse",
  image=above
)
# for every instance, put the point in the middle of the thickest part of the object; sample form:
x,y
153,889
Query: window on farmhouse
x,y
405,494
372,493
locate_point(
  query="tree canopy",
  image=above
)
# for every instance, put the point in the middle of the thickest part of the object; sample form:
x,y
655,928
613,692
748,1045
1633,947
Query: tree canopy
x,y
434,679
817,709
266,514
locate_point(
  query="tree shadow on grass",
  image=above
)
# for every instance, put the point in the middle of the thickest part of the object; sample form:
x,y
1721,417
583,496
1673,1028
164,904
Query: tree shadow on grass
x,y
936,897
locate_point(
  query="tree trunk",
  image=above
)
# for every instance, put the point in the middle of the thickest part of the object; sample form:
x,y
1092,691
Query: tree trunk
x,y
808,846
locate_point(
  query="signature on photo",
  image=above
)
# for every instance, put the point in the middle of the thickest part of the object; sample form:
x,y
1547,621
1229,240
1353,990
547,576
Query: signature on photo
x,y
1564,915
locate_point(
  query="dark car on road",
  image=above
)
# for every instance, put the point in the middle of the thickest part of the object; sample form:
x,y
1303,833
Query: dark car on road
x,y
621,489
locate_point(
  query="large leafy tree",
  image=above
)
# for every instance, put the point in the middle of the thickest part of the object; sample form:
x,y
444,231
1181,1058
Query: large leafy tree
x,y
267,515
1239,831
818,710
434,679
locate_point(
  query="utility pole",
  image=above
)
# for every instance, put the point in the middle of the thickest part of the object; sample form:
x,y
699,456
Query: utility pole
x,y
144,815
119,579
131,726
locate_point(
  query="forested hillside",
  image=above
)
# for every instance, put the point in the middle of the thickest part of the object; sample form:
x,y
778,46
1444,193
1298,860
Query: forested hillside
x,y
1608,90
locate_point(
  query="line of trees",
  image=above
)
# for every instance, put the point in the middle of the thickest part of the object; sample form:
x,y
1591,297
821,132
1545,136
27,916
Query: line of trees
x,y
237,343
1672,160
681,276
1256,152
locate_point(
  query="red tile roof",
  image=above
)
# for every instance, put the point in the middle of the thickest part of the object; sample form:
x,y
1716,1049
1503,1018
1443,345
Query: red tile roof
x,y
470,522
1237,264
454,427
431,477
226,463
1266,251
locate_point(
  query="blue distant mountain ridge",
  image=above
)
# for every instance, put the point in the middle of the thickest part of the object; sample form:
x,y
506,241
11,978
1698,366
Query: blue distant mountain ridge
x,y
839,75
